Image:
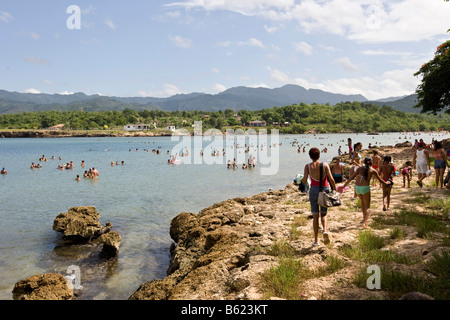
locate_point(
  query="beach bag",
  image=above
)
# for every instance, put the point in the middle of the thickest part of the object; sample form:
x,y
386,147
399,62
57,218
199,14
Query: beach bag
x,y
298,178
447,178
303,187
330,199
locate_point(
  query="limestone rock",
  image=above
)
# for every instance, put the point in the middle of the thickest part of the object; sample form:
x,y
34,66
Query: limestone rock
x,y
49,286
82,224
111,242
78,222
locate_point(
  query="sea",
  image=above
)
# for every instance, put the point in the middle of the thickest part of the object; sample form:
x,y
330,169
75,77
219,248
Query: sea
x,y
139,197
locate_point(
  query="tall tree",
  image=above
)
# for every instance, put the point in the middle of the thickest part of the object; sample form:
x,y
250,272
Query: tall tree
x,y
434,91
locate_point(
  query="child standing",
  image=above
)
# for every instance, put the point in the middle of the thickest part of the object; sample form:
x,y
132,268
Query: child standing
x,y
407,173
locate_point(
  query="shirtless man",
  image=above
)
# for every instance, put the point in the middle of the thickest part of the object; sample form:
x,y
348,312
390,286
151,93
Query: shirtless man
x,y
4,171
387,172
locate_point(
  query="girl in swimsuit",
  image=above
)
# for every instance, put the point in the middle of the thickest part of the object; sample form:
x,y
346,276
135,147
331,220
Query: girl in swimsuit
x,y
356,160
362,178
440,162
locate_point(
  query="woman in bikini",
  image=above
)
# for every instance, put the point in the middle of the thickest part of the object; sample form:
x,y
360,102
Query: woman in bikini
x,y
440,163
338,171
362,178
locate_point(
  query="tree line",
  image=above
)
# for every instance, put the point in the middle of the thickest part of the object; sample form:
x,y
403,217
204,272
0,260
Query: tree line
x,y
296,118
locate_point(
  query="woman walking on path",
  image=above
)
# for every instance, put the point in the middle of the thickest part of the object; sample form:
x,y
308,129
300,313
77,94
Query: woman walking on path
x,y
363,175
313,171
440,163
421,161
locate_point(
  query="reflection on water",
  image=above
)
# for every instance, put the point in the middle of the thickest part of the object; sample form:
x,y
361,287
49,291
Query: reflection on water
x,y
139,198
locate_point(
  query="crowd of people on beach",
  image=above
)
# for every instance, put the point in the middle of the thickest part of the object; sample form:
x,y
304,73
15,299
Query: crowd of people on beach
x,y
367,173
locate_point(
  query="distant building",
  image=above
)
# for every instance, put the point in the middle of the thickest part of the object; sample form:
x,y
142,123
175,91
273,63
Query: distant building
x,y
57,127
257,123
136,127
171,128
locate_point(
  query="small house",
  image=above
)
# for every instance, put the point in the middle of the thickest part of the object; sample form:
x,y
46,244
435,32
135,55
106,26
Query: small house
x,y
136,127
257,123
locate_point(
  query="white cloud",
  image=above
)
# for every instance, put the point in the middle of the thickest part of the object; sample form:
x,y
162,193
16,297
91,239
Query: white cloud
x,y
90,9
167,91
219,87
363,21
215,70
303,47
5,16
35,36
255,43
383,53
389,84
252,42
110,24
245,7
346,64
66,93
32,90
38,61
181,42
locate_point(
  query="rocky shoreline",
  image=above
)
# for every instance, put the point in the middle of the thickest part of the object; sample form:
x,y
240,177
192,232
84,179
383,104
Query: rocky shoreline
x,y
224,251
75,133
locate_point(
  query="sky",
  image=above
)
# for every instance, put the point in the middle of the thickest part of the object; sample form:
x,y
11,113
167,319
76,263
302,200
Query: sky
x,y
147,48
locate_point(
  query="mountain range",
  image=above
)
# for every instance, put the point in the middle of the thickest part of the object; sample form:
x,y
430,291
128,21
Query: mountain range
x,y
237,98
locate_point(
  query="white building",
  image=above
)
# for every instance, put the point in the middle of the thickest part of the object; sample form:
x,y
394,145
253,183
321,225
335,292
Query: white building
x,y
136,127
171,128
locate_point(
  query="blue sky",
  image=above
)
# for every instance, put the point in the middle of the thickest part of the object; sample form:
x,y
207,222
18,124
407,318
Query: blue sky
x,y
161,48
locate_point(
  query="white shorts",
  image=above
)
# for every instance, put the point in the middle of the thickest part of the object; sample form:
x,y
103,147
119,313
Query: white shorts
x,y
421,167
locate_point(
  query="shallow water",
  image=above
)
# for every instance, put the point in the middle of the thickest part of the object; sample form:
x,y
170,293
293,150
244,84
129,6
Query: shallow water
x,y
139,198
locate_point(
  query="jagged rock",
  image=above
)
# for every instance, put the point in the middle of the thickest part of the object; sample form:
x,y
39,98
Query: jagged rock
x,y
82,224
416,296
49,286
111,242
212,249
78,222
405,144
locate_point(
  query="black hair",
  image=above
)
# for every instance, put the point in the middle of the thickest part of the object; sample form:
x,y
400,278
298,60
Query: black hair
x,y
387,159
314,153
367,163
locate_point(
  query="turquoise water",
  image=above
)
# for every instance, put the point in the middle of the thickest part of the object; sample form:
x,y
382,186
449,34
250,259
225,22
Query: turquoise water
x,y
139,198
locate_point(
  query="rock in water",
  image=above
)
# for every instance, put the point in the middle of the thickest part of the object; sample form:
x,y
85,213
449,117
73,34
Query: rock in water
x,y
49,286
82,224
78,222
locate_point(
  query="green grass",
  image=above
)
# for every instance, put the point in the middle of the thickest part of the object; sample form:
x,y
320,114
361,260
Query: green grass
x,y
299,221
397,283
397,233
369,249
281,249
418,198
287,278
425,223
283,280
